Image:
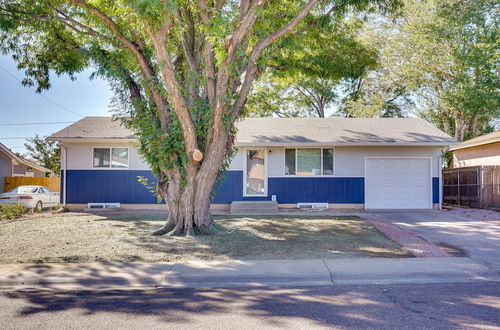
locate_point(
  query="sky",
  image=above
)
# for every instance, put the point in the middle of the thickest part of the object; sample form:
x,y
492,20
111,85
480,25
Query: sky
x,y
22,105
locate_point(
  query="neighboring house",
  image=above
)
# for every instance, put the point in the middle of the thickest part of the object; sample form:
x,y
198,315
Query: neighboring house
x,y
14,165
389,163
483,150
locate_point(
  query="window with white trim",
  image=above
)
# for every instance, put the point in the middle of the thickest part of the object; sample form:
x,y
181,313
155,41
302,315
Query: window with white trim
x,y
110,158
309,161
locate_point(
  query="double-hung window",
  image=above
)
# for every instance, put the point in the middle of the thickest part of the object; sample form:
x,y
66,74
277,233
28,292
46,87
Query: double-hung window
x,y
110,158
309,161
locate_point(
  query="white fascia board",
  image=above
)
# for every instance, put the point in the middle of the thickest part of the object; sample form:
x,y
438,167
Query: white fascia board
x,y
348,144
92,140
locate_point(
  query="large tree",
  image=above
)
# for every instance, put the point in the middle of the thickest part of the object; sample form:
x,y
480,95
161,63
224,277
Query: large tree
x,y
442,56
305,79
43,152
182,71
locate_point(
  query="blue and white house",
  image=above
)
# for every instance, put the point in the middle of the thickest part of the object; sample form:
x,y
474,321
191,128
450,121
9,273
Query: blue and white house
x,y
373,163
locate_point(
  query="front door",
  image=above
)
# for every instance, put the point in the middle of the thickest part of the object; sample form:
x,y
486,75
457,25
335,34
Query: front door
x,y
255,183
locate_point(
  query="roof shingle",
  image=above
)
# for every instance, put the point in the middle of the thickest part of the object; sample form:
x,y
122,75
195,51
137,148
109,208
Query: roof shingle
x,y
291,131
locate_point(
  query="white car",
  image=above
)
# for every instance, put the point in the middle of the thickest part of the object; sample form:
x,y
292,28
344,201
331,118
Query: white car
x,y
32,197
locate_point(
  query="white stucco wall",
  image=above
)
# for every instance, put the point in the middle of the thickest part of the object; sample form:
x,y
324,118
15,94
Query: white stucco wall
x,y
80,156
348,161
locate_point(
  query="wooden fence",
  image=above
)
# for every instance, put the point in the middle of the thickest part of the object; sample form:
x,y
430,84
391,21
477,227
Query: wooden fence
x,y
475,186
11,182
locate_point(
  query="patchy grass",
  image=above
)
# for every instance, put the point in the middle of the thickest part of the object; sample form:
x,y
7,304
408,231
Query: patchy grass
x,y
80,237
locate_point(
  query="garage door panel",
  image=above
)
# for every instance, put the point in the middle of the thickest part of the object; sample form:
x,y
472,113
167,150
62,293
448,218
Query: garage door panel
x,y
398,183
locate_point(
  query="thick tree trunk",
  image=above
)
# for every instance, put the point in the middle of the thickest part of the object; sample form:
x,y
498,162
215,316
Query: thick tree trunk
x,y
188,209
460,126
188,198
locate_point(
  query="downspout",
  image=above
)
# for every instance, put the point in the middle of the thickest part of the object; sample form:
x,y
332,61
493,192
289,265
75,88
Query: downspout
x,y
440,177
65,162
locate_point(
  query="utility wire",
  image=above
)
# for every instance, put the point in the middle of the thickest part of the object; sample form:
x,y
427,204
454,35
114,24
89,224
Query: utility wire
x,y
46,123
45,97
48,106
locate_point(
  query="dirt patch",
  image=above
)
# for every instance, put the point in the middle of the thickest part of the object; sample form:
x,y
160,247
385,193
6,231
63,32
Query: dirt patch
x,y
90,237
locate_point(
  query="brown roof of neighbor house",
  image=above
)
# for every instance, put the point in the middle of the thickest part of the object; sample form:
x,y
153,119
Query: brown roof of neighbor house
x,y
479,141
23,160
292,131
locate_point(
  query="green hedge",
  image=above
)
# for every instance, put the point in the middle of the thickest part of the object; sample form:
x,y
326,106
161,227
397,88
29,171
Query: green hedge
x,y
11,211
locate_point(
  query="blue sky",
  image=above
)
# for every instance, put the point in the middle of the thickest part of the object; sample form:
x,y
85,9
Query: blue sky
x,y
19,104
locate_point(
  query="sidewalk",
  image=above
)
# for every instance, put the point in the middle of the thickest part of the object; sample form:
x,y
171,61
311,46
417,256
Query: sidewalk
x,y
129,276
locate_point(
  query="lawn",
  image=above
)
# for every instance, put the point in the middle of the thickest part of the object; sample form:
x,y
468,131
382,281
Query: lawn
x,y
75,237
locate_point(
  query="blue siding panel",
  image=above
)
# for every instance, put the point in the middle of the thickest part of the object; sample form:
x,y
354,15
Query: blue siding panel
x,y
294,190
121,186
113,186
435,190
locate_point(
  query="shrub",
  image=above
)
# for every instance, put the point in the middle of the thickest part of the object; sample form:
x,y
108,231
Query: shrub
x,y
11,211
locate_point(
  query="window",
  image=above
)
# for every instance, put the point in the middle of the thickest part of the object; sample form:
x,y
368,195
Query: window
x,y
101,157
111,157
309,161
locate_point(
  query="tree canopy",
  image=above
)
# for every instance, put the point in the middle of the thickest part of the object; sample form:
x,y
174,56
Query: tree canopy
x,y
43,152
182,71
439,59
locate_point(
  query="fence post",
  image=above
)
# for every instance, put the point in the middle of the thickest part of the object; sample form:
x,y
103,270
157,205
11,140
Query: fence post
x,y
458,187
480,186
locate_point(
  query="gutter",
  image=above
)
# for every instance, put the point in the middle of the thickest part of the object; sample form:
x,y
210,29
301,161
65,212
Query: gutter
x,y
64,163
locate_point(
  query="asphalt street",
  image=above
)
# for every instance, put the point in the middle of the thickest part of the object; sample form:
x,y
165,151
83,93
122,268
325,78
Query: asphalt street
x,y
409,306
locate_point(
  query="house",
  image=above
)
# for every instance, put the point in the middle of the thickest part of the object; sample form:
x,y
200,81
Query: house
x,y
481,151
375,163
14,165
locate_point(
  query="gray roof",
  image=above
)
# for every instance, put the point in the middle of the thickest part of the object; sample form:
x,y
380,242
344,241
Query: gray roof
x,y
291,131
94,128
339,131
479,141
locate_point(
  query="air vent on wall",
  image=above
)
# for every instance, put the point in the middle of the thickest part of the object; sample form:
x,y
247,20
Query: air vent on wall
x,y
312,205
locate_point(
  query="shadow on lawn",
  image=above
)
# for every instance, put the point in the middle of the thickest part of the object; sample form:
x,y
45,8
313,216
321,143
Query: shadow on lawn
x,y
387,307
264,237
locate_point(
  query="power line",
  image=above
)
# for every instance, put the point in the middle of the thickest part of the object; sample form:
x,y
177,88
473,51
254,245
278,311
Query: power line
x,y
17,138
46,123
49,106
45,97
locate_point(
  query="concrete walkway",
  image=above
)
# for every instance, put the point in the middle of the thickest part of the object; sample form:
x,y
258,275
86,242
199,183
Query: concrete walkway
x,y
125,276
458,233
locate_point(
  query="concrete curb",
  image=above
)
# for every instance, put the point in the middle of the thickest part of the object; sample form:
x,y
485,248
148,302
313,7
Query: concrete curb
x,y
131,276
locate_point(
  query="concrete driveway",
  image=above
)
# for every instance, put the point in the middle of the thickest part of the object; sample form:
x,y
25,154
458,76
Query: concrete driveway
x,y
459,233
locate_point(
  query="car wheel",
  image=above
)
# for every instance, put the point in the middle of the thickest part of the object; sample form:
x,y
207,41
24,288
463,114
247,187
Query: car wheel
x,y
39,207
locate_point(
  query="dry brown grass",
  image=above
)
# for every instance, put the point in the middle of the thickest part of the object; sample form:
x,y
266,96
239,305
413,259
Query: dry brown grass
x,y
87,238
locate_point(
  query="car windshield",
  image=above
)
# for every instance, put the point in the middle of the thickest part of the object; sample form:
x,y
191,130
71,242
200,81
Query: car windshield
x,y
23,190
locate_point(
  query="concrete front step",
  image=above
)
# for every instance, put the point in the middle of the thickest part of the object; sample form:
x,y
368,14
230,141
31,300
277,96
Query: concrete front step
x,y
254,207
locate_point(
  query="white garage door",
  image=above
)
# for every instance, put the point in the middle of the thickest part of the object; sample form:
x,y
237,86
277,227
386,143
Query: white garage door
x,y
398,183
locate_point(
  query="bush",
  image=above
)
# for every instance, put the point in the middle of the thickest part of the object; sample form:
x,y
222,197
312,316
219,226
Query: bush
x,y
11,211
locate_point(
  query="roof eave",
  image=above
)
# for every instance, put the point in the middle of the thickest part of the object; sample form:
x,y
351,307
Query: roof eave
x,y
345,144
473,145
90,140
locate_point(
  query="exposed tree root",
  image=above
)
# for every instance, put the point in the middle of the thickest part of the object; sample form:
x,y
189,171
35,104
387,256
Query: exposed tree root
x,y
176,232
172,230
163,230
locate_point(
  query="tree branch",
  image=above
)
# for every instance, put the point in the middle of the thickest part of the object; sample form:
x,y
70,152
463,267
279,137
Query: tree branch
x,y
146,69
178,102
252,68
